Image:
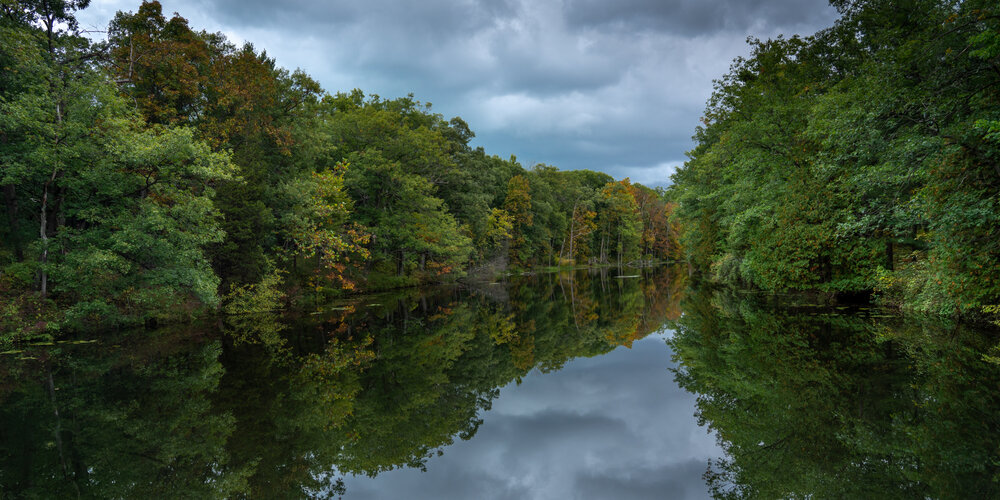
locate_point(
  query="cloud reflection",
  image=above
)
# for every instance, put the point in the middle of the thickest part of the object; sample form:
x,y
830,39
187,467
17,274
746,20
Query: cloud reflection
x,y
613,426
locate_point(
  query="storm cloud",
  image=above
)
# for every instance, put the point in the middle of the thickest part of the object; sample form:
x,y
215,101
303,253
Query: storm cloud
x,y
616,86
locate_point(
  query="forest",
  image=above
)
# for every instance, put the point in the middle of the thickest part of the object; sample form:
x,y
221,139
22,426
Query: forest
x,y
164,173
863,161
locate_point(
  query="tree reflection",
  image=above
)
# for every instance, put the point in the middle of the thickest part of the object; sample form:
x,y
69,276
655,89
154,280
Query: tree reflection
x,y
810,403
270,406
130,423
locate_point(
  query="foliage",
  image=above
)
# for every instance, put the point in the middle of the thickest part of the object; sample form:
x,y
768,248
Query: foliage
x,y
320,227
148,173
870,145
125,209
619,226
518,205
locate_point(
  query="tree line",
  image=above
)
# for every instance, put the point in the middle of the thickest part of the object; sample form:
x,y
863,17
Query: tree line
x,y
152,174
863,158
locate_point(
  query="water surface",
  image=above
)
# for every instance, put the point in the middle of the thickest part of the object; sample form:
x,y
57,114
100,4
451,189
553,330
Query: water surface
x,y
573,385
612,426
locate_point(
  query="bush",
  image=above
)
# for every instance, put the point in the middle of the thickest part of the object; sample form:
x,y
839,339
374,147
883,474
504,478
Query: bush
x,y
726,270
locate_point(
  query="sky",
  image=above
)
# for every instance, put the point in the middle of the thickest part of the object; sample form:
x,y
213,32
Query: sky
x,y
612,426
616,86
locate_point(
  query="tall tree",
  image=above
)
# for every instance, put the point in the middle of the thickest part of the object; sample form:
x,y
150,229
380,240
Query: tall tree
x,y
161,64
518,205
619,228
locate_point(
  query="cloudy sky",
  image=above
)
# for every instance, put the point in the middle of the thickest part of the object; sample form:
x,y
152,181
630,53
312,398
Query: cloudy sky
x,y
610,85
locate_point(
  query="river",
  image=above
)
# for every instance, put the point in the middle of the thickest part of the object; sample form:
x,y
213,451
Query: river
x,y
561,385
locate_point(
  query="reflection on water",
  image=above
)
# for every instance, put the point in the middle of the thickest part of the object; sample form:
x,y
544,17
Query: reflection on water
x,y
278,407
810,403
516,390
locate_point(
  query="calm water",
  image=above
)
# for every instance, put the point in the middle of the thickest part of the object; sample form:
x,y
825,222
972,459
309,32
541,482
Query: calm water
x,y
581,385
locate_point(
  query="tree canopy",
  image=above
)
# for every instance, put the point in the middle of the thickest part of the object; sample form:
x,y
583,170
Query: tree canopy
x,y
862,158
162,171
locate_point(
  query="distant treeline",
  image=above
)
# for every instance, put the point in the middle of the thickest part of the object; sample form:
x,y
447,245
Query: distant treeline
x,y
151,175
863,158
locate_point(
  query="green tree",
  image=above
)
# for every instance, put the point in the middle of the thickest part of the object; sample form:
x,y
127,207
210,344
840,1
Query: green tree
x,y
517,204
123,212
619,228
148,222
852,161
161,64
320,228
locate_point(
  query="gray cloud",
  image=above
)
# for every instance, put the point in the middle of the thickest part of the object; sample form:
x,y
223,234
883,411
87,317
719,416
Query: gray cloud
x,y
672,481
458,483
428,19
616,86
694,17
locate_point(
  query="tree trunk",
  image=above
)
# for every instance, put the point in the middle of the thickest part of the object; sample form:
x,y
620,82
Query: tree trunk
x,y
10,200
889,257
572,226
43,285
43,231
